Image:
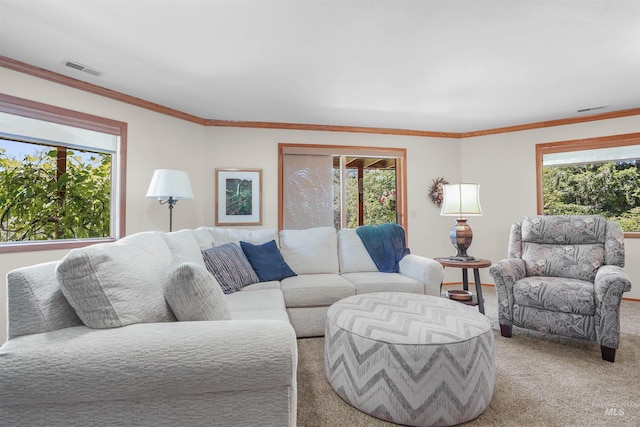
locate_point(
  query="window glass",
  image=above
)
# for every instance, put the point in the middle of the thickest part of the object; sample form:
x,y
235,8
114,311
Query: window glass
x,y
53,192
601,180
370,191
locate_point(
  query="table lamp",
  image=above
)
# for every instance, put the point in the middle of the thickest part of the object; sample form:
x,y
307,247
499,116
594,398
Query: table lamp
x,y
461,200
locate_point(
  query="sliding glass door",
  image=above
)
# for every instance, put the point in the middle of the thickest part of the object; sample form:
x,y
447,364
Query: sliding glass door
x,y
339,186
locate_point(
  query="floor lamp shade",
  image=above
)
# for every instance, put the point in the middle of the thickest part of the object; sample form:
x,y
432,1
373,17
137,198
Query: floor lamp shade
x,y
169,186
461,200
167,183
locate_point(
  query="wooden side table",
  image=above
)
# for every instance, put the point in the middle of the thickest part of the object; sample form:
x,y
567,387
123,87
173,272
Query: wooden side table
x,y
464,265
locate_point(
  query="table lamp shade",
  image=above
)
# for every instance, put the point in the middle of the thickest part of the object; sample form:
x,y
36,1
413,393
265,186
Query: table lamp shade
x,y
461,200
167,183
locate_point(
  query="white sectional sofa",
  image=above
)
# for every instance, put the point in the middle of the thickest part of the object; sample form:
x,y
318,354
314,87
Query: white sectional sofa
x,y
93,339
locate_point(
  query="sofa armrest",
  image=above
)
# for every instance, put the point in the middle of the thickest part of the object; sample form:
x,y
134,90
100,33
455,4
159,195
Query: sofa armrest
x,y
610,283
159,359
505,274
424,270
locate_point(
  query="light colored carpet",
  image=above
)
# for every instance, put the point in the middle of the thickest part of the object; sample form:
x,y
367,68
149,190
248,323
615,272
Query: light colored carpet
x,y
540,380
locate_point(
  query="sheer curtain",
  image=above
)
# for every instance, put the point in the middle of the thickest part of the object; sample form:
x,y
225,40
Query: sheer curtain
x,y
308,187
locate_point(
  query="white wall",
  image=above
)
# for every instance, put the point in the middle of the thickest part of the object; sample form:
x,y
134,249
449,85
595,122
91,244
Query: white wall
x,y
505,166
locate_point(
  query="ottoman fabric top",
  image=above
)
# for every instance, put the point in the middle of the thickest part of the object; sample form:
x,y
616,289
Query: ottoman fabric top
x,y
404,318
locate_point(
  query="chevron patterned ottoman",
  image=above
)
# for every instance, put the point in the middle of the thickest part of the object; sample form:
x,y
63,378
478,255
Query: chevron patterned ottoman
x,y
410,359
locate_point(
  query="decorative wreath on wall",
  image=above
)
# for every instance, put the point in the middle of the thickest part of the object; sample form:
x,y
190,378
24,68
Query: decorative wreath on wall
x,y
435,191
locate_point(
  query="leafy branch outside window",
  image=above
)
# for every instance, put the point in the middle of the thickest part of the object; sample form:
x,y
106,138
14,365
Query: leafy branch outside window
x,y
55,193
611,189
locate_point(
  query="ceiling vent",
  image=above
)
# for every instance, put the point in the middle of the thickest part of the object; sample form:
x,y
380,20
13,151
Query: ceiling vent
x,y
586,110
83,68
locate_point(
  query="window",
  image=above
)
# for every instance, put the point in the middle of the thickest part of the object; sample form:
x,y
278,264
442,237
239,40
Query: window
x,y
341,186
592,176
365,191
61,177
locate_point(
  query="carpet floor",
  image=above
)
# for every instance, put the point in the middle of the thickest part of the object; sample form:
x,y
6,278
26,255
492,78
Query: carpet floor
x,y
540,380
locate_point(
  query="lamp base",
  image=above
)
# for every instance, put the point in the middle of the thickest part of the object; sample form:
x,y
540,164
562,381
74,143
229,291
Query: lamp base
x,y
461,237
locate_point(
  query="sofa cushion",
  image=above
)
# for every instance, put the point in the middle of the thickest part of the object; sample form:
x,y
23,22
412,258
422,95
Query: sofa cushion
x,y
311,251
194,294
120,283
274,284
353,256
230,267
267,261
311,290
222,235
264,299
184,246
367,282
204,238
36,301
267,304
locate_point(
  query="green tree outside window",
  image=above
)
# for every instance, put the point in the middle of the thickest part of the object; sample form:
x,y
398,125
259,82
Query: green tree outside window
x,y
611,189
55,193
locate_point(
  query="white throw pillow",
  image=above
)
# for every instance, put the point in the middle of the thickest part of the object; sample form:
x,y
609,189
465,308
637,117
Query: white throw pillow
x,y
194,294
354,257
116,284
311,251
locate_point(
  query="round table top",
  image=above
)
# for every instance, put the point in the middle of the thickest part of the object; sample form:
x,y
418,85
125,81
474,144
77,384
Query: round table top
x,y
477,263
405,318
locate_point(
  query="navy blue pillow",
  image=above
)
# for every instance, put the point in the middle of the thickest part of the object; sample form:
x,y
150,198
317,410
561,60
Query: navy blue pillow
x,y
267,261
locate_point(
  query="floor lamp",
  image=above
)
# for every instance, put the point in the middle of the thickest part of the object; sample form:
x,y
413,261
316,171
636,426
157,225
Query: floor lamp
x,y
169,186
461,200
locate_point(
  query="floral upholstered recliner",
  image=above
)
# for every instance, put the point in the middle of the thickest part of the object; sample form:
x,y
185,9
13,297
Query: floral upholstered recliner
x,y
564,276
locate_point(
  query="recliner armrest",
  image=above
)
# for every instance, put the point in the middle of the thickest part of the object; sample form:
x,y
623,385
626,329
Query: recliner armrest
x,y
610,282
507,271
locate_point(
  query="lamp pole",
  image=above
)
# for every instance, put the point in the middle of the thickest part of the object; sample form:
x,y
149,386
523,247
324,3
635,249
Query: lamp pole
x,y
171,202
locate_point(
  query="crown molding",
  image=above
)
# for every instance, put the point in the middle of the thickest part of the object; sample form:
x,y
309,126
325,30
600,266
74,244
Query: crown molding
x,y
118,96
551,123
95,89
330,128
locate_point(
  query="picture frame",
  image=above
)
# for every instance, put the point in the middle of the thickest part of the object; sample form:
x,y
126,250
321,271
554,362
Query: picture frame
x,y
238,196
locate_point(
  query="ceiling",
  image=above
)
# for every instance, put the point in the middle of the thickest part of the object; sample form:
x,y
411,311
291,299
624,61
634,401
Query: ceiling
x,y
429,65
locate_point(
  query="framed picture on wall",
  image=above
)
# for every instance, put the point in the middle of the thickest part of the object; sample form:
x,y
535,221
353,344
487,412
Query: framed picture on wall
x,y
238,197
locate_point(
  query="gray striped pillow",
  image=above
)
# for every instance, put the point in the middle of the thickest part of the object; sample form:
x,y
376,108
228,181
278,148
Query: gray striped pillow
x,y
230,267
